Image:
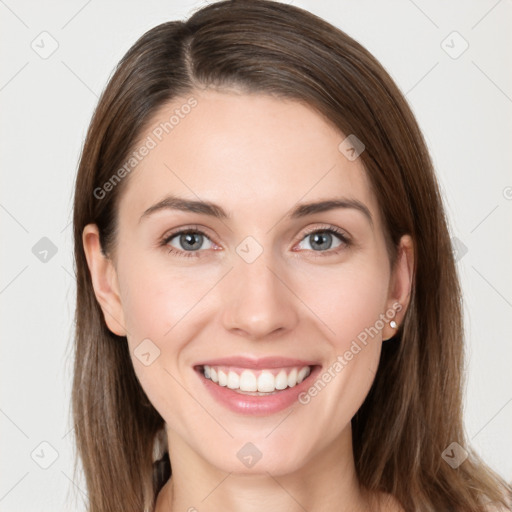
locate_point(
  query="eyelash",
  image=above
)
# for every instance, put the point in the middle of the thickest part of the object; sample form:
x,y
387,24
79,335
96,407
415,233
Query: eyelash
x,y
345,241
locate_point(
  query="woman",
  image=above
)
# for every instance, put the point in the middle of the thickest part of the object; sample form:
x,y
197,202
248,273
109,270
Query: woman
x,y
268,312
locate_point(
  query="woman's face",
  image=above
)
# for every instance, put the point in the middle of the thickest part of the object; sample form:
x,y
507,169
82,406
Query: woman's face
x,y
265,290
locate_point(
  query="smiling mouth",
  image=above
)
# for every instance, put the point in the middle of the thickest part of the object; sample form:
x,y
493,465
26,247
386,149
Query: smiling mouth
x,y
262,382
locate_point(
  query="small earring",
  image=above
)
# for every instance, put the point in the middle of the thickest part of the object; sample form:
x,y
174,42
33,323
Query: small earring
x,y
393,324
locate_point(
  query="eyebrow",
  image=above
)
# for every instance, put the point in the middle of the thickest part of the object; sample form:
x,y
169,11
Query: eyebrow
x,y
214,210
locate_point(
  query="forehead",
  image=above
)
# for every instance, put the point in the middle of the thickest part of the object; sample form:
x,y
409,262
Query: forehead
x,y
256,155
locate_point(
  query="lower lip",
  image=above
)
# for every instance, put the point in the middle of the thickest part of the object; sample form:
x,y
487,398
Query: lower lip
x,y
257,405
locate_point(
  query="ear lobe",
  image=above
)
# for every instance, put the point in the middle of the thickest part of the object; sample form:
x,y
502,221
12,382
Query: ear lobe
x,y
400,285
104,280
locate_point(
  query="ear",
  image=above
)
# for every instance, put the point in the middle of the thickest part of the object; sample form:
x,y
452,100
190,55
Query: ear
x,y
400,285
104,280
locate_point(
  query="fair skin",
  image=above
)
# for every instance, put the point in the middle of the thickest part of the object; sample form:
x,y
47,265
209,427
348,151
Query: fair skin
x,y
258,158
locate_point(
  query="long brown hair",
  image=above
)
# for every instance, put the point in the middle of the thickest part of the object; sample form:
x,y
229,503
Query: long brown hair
x,y
413,411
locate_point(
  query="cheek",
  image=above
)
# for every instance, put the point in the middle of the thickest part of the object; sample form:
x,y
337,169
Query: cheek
x,y
350,303
159,299
160,308
163,309
347,300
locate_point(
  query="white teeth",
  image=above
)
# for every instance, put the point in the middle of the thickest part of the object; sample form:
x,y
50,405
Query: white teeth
x,y
249,381
266,382
233,380
223,378
303,373
292,378
281,380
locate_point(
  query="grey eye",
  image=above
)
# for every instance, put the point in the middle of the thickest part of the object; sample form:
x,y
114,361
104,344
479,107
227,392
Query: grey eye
x,y
322,240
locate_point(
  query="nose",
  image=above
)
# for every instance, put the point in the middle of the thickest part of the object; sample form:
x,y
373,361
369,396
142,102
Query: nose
x,y
259,302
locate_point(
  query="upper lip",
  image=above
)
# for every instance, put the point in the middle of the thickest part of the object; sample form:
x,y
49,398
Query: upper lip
x,y
257,363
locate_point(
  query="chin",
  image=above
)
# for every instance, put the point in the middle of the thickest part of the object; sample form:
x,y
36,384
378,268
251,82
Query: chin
x,y
260,456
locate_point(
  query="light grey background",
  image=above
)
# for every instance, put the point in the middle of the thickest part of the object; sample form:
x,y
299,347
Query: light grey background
x,y
464,108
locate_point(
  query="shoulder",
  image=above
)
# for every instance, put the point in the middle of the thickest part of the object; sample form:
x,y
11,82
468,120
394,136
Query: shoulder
x,y
388,503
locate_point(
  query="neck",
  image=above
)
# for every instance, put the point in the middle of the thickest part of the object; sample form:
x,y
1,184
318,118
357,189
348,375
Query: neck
x,y
328,482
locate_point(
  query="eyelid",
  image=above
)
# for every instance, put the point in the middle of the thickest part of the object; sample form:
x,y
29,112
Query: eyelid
x,y
326,227
194,228
344,237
